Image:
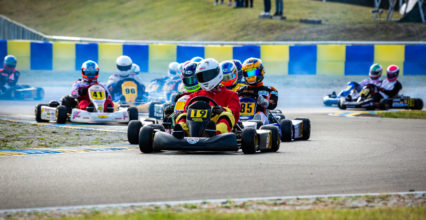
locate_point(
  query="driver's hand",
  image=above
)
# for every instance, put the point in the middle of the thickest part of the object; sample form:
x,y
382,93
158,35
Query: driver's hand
x,y
82,91
262,101
217,110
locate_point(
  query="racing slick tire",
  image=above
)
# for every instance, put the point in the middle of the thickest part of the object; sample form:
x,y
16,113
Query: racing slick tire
x,y
384,104
61,114
418,104
340,103
146,139
133,113
133,129
306,128
39,94
157,126
249,141
37,112
275,139
259,123
286,130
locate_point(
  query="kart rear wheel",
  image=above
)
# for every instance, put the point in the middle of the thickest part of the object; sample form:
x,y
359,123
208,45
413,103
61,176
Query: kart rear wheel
x,y
39,94
37,112
275,139
340,103
384,104
418,104
133,129
158,126
133,113
146,139
286,130
249,141
306,128
61,114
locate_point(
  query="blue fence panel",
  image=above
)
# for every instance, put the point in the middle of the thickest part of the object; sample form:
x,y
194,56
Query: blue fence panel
x,y
244,52
41,56
185,53
358,59
415,60
84,52
3,50
303,60
139,55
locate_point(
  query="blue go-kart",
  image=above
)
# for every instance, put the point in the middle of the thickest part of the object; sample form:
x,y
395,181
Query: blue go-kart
x,y
297,129
350,91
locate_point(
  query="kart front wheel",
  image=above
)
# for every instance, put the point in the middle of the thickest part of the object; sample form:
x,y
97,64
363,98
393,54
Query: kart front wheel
x,y
275,138
38,113
340,104
306,128
418,104
286,130
39,94
146,139
61,114
133,131
249,141
133,113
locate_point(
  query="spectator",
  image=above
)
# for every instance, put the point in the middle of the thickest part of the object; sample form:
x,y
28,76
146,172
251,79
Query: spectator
x,y
266,13
246,3
216,2
279,6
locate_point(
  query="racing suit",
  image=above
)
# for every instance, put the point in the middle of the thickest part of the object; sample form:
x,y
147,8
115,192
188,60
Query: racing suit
x,y
8,79
389,89
236,87
80,92
171,87
267,98
227,99
115,81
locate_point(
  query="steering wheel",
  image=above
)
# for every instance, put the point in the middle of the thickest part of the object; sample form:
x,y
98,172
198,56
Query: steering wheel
x,y
202,98
248,94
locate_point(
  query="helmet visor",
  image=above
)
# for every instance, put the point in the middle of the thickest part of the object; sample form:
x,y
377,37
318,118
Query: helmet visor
x,y
90,74
190,81
124,68
251,72
229,76
207,76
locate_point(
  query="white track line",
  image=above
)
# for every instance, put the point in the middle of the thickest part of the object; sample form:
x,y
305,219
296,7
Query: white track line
x,y
172,203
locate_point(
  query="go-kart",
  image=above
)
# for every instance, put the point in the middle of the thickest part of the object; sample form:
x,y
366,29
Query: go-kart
x,y
97,94
155,137
367,101
22,92
351,90
297,129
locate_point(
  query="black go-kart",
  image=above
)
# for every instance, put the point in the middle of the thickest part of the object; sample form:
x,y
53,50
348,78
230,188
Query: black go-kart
x,y
157,137
368,100
22,92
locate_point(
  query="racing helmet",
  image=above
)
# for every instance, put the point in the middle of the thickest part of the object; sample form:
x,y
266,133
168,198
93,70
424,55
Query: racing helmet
x,y
253,71
9,61
124,64
90,70
189,80
392,72
209,74
230,73
196,59
375,71
239,66
135,68
173,69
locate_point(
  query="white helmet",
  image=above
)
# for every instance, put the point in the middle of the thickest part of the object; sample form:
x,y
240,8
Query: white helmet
x,y
209,74
124,64
135,68
173,69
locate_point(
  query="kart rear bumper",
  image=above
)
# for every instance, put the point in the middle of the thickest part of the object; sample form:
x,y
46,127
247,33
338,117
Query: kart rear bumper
x,y
222,142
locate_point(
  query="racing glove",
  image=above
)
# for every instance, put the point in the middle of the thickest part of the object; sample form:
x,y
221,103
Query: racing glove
x,y
262,101
82,91
217,110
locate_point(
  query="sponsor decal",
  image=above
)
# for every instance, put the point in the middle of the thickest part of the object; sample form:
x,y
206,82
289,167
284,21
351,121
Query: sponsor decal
x,y
192,140
76,115
102,116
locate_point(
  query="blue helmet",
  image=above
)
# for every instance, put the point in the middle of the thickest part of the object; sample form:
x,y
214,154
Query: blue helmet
x,y
196,59
188,77
9,61
90,70
239,66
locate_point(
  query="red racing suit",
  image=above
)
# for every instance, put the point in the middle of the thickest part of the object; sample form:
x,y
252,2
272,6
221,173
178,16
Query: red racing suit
x,y
227,99
8,78
80,92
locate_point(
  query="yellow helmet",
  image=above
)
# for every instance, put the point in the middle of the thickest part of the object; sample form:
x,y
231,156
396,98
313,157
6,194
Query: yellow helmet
x,y
253,71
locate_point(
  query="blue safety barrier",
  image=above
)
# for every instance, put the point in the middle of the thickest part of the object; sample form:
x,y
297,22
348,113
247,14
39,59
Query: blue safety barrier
x,y
139,55
185,53
303,59
358,59
244,52
84,52
415,60
41,56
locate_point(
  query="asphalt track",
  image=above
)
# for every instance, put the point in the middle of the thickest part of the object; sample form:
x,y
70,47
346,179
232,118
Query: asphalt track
x,y
344,155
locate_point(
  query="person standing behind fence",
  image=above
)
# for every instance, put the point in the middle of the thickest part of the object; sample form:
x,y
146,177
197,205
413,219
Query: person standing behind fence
x,y
279,7
221,2
246,3
266,13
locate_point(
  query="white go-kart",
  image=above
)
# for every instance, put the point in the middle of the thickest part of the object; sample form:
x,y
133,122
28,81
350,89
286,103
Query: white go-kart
x,y
97,95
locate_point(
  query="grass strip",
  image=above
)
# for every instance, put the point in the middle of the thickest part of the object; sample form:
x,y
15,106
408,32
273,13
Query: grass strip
x,y
412,114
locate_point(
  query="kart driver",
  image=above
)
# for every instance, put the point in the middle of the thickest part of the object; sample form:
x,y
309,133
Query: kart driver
x,y
267,96
9,75
390,87
239,66
230,76
89,72
124,66
224,116
374,76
